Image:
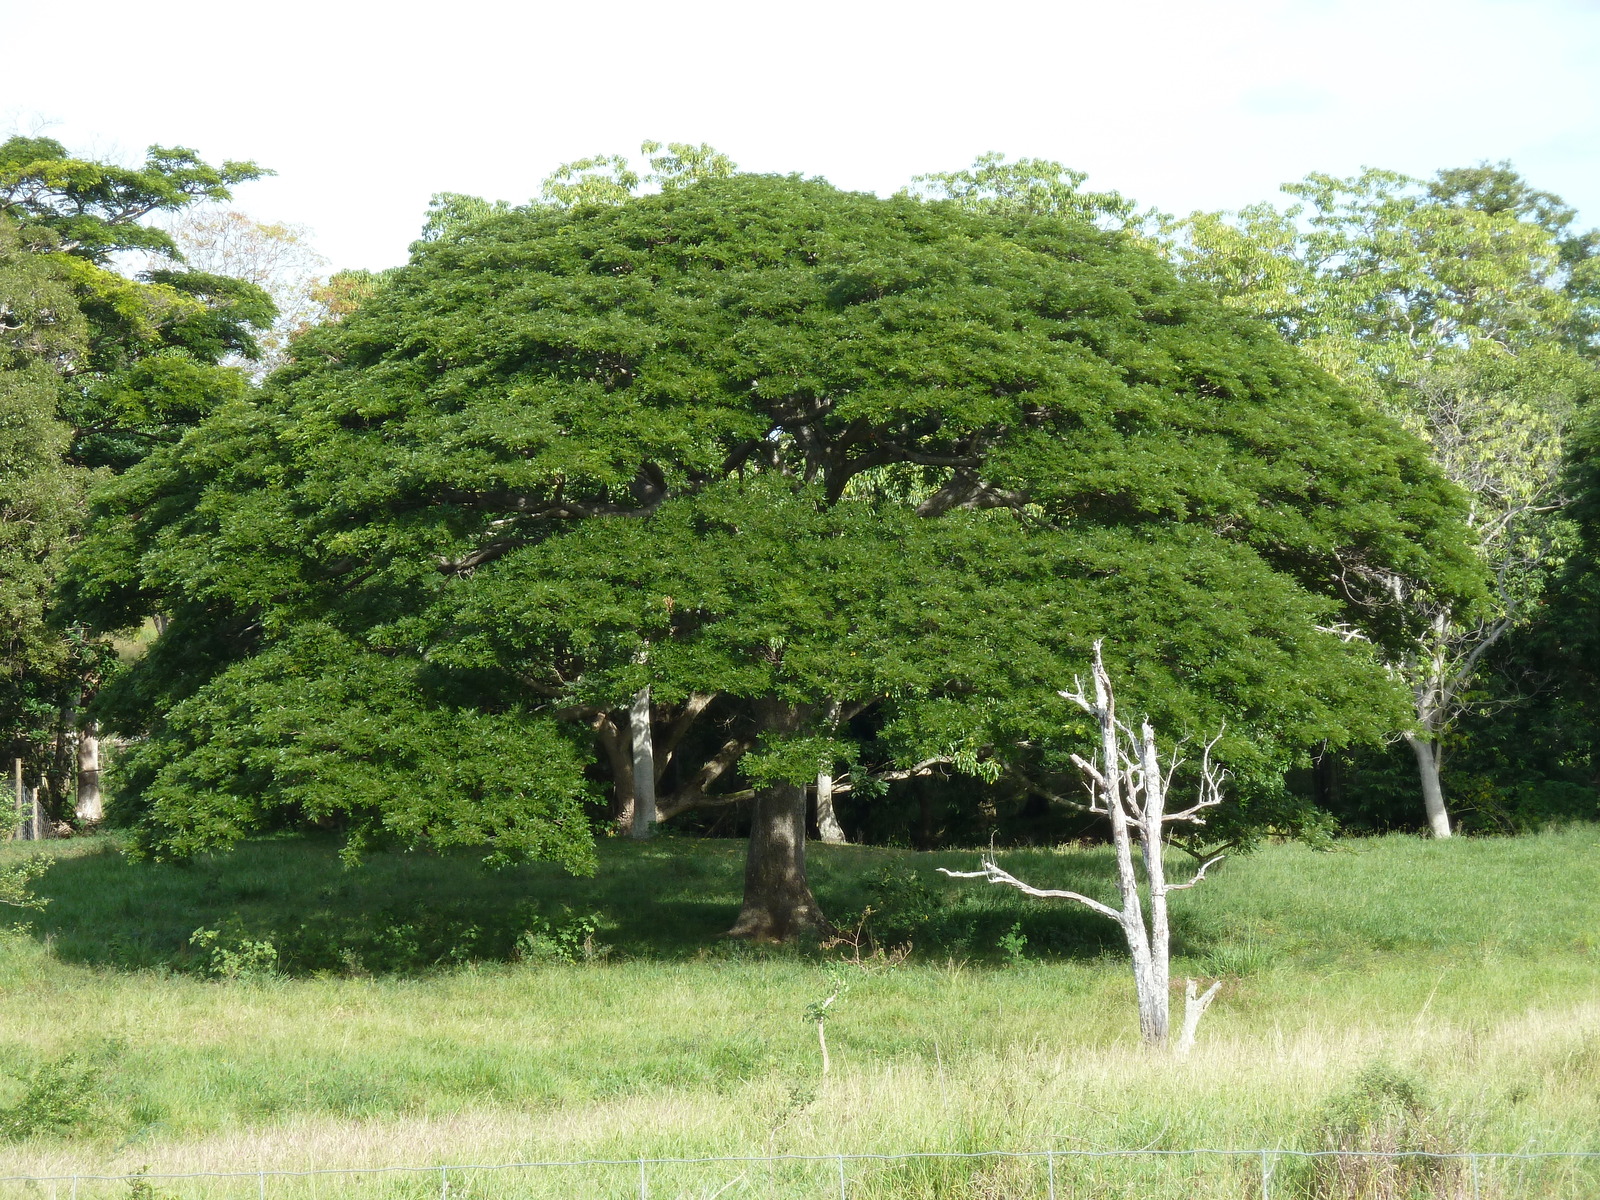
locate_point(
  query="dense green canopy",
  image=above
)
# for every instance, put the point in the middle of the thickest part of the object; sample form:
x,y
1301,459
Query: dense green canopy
x,y
761,445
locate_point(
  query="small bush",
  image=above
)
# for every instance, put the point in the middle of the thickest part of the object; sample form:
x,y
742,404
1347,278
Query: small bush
x,y
57,1097
1384,1113
234,956
1014,946
140,1188
16,881
904,905
572,940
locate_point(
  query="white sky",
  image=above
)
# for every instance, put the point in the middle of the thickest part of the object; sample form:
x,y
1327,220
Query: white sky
x,y
365,109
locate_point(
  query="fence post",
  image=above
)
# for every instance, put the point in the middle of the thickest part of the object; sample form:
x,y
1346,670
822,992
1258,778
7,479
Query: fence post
x,y
1474,1177
1266,1175
261,1182
842,1196
644,1183
1050,1167
444,1182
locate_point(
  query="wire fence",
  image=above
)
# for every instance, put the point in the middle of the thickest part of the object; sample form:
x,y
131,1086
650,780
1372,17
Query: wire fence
x,y
22,816
1145,1174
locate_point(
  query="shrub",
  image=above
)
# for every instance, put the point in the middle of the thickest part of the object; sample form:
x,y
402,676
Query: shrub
x,y
57,1096
1384,1113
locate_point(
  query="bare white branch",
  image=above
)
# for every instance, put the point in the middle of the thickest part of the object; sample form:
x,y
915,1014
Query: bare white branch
x,y
1198,875
994,874
1345,633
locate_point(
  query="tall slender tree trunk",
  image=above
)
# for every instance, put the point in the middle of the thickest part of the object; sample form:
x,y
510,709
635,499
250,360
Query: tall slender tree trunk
x,y
1147,971
644,765
1158,999
828,827
90,807
778,904
1426,749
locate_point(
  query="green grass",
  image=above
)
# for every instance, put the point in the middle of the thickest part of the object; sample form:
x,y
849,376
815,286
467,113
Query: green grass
x,y
392,1022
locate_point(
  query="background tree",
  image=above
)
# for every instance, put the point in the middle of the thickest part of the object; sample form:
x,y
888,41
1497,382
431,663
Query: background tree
x,y
1028,186
111,364
1465,308
277,258
762,447
41,493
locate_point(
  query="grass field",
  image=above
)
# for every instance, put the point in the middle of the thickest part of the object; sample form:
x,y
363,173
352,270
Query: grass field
x,y
1393,993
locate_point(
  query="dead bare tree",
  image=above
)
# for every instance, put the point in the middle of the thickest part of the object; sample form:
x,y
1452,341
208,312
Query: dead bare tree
x,y
1129,784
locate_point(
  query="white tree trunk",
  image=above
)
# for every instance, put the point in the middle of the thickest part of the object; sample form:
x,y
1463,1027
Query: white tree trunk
x,y
90,807
1152,820
1152,1000
827,820
644,766
828,827
1426,750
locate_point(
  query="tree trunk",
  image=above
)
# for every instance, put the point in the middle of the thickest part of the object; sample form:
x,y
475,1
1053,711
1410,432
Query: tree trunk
x,y
1155,870
621,763
1426,750
778,904
61,762
1194,1007
644,766
90,807
1327,780
1152,999
828,827
827,820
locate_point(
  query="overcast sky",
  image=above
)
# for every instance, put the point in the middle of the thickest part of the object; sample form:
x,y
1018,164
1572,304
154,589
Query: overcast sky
x,y
365,109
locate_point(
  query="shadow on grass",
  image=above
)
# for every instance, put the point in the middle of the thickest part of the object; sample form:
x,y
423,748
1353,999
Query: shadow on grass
x,y
288,905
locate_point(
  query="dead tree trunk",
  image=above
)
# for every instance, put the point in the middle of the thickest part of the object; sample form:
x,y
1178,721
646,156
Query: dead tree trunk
x,y
1128,784
778,904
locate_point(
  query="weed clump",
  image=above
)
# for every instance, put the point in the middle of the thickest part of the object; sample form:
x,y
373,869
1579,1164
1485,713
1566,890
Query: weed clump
x,y
1386,1135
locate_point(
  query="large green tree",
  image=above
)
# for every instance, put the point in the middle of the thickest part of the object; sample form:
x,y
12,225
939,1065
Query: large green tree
x,y
767,450
1466,307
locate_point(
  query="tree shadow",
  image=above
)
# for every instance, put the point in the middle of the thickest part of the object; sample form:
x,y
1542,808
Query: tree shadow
x,y
289,906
